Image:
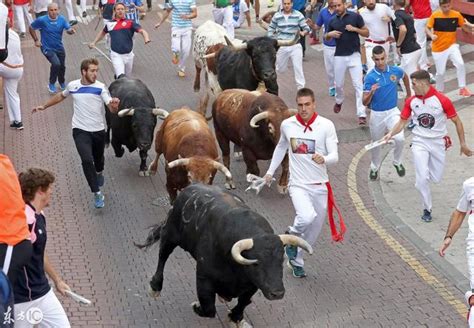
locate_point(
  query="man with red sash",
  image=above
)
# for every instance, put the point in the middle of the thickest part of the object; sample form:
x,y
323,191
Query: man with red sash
x,y
309,186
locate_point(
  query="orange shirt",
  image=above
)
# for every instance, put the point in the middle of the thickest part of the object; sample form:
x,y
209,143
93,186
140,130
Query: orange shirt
x,y
444,26
13,227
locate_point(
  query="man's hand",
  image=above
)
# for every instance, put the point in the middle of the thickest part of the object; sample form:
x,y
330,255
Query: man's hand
x,y
399,51
387,137
71,31
37,108
434,37
303,33
268,179
374,87
465,150
61,287
91,45
386,18
318,158
147,40
350,28
157,25
446,242
37,43
334,34
114,105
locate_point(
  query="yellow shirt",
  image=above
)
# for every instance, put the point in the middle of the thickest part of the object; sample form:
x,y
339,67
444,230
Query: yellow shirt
x,y
444,27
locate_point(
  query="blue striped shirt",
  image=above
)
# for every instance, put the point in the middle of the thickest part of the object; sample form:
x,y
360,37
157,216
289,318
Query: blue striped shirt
x,y
181,7
285,29
132,12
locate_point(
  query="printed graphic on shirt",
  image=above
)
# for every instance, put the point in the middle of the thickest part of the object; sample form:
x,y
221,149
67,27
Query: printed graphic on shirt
x,y
426,120
302,146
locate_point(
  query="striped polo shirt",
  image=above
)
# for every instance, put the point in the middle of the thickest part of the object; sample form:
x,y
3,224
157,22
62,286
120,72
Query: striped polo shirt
x,y
285,27
181,7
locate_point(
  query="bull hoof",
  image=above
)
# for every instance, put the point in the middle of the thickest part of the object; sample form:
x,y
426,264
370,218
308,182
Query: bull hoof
x,y
144,173
120,152
229,185
282,189
243,324
238,155
153,293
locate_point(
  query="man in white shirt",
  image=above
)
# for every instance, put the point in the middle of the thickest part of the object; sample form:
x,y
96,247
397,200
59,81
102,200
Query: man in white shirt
x,y
3,32
241,13
377,18
311,143
88,128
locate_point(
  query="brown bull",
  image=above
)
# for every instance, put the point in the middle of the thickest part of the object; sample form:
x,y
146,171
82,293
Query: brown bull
x,y
189,148
251,120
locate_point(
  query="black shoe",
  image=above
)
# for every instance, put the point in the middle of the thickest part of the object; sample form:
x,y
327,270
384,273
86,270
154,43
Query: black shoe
x,y
73,22
337,108
373,175
426,216
84,14
78,2
17,125
400,170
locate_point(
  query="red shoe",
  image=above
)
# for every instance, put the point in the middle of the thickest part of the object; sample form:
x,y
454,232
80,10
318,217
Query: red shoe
x,y
337,108
465,92
362,121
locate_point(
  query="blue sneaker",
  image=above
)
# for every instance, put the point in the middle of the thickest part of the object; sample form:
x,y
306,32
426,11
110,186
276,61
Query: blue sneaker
x,y
62,86
426,216
291,252
99,199
52,88
296,270
332,92
100,179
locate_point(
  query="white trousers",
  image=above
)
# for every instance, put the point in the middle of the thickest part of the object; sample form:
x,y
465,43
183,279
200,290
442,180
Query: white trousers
x,y
224,17
354,64
470,249
380,123
123,63
70,10
295,53
409,63
441,59
369,46
20,12
49,305
420,25
329,64
181,43
11,77
428,157
310,203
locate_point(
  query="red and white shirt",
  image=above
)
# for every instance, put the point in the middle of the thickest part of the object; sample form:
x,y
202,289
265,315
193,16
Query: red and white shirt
x,y
429,113
421,9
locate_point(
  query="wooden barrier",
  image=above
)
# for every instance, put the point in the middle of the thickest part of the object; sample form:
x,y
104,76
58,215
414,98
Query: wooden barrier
x,y
466,8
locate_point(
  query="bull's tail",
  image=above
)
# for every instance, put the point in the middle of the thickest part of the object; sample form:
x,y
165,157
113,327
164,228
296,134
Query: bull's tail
x,y
153,236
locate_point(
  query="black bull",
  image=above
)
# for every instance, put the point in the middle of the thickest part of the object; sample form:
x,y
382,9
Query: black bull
x,y
236,250
135,122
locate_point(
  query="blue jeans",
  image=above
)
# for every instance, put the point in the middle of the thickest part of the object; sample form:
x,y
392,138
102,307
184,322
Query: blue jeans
x,y
57,58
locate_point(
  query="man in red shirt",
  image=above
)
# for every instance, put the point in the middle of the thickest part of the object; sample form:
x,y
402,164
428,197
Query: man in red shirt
x,y
421,12
22,9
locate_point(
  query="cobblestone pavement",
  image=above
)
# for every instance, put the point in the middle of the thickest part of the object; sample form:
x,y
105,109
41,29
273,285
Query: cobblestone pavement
x,y
375,278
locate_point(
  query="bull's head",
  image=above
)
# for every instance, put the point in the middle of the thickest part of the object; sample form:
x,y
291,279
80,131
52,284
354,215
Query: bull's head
x,y
143,122
273,117
201,169
263,260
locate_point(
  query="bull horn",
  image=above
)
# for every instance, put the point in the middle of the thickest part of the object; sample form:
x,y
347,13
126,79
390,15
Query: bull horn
x,y
239,47
178,162
286,43
239,247
211,55
263,24
257,118
126,111
160,112
296,241
223,169
292,111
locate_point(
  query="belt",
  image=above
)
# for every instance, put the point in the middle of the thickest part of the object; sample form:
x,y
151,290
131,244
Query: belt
x,y
376,42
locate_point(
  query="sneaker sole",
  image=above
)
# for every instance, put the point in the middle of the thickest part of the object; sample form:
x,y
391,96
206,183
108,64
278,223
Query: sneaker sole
x,y
291,268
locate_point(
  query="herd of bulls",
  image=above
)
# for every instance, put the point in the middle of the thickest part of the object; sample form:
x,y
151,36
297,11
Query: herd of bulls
x,y
236,250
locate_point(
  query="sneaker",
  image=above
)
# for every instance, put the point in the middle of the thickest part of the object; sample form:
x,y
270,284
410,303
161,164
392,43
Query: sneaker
x,y
332,92
291,252
73,22
465,92
100,179
362,121
175,58
52,88
411,125
148,9
337,108
99,199
17,125
298,271
62,86
373,175
181,73
84,14
22,35
426,216
432,79
400,170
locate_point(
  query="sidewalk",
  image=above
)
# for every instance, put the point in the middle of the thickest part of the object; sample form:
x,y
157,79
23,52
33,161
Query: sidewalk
x,y
402,197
